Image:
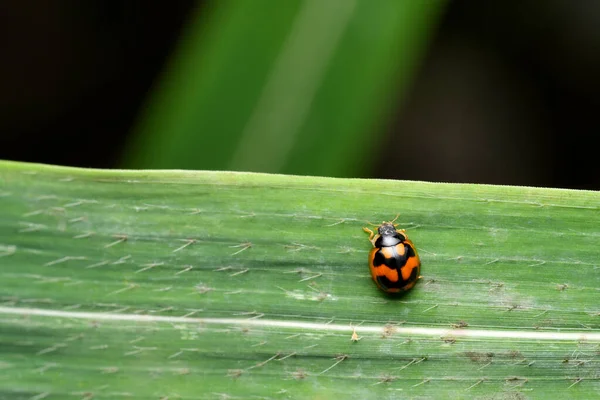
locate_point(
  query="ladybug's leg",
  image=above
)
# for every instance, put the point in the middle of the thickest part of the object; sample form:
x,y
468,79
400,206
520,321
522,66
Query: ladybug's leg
x,y
371,235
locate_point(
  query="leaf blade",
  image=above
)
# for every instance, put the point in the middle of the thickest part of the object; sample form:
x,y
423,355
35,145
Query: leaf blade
x,y
89,244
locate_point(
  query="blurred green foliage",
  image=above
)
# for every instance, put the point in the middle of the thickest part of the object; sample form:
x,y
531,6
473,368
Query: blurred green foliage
x,y
295,86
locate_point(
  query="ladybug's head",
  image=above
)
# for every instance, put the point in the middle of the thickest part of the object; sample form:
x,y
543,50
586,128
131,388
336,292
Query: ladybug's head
x,y
386,229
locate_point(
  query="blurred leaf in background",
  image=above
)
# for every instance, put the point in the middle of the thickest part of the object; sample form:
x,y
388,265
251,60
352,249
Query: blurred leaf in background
x,y
298,86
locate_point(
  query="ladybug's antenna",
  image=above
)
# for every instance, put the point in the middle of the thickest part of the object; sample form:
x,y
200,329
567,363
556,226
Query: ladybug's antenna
x,y
383,222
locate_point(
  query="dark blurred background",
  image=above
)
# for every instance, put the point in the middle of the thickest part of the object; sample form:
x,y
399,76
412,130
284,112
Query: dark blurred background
x,y
503,92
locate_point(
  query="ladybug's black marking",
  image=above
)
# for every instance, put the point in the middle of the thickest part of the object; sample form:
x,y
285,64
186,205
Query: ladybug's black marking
x,y
397,261
386,284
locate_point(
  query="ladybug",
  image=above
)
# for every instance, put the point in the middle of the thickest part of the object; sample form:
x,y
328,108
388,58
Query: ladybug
x,y
393,260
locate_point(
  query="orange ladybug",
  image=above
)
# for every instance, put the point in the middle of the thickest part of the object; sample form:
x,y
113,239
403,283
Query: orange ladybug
x,y
394,262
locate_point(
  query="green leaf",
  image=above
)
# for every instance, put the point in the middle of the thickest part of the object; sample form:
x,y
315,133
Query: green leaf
x,y
310,83
203,285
